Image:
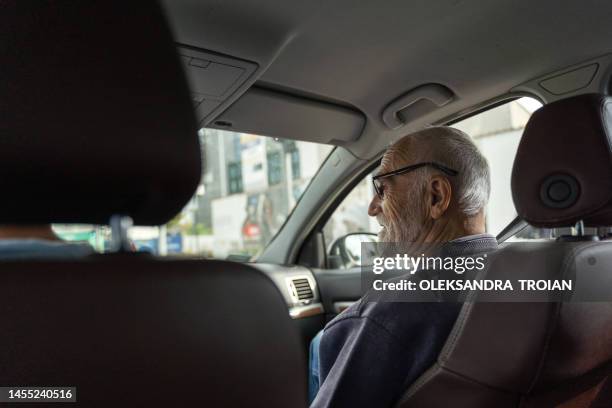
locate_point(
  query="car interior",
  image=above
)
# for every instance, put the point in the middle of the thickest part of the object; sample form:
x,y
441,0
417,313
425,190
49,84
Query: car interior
x,y
249,131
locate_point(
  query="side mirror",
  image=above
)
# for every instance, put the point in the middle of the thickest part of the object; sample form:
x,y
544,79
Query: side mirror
x,y
345,252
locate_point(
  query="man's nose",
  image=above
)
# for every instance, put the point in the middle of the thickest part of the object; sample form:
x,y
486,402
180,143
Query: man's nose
x,y
374,207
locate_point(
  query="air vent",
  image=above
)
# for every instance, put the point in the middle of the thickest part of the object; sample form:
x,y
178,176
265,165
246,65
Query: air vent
x,y
301,289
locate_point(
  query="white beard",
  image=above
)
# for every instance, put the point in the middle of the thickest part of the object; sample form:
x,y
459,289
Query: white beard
x,y
405,230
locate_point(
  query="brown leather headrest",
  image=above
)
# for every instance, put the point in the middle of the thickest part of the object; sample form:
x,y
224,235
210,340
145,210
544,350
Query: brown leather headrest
x,y
95,114
563,168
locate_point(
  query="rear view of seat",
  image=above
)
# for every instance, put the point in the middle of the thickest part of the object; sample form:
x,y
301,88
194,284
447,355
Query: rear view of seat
x,y
95,121
546,353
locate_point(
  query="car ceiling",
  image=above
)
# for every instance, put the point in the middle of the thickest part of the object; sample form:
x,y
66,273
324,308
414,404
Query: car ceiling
x,y
364,54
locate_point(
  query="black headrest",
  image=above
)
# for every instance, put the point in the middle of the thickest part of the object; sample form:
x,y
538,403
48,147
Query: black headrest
x,y
95,114
563,168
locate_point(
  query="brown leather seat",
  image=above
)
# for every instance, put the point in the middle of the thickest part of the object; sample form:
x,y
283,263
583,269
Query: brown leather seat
x,y
553,352
96,120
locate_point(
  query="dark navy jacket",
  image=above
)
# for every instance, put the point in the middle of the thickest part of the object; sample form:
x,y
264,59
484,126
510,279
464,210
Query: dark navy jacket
x,y
371,352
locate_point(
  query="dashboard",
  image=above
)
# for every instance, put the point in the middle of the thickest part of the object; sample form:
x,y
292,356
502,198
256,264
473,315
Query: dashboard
x,y
298,286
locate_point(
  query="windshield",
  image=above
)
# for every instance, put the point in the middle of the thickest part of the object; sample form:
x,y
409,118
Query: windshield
x,y
249,186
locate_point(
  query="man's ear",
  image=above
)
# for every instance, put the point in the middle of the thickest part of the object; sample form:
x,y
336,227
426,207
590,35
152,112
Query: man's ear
x,y
440,192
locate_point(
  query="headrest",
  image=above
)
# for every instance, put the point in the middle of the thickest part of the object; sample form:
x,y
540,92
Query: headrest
x,y
95,114
563,168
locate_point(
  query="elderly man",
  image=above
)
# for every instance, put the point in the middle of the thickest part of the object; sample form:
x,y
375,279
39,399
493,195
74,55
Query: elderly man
x,y
432,188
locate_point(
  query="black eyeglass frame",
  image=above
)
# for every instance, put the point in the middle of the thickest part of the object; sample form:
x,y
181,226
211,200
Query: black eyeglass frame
x,y
407,169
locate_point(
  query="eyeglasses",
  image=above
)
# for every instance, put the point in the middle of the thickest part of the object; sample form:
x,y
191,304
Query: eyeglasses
x,y
379,188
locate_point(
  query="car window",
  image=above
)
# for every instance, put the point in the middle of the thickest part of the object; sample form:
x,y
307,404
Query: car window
x,y
351,216
497,133
249,186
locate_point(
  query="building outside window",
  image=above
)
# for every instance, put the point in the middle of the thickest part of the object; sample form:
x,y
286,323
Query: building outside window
x,y
234,177
275,168
295,164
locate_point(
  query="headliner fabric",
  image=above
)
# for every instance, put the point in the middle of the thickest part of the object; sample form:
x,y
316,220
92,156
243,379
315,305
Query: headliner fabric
x,y
95,114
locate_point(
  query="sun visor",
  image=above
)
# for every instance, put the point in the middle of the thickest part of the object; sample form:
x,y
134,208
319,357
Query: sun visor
x,y
96,118
271,113
214,80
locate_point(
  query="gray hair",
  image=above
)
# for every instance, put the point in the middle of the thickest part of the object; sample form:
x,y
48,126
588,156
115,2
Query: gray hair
x,y
455,149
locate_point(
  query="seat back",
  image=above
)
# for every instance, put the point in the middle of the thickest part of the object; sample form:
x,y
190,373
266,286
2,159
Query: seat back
x,y
131,330
527,354
95,121
552,352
